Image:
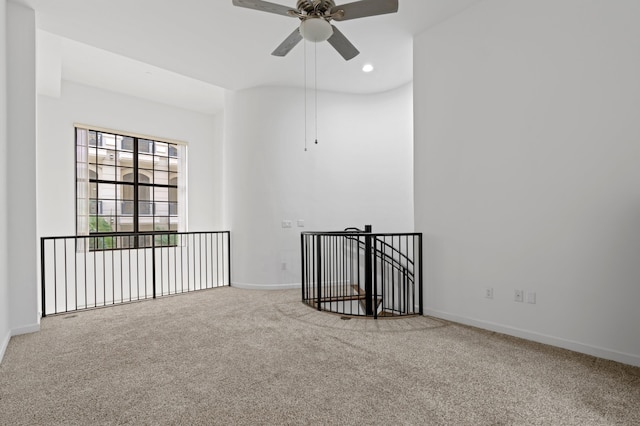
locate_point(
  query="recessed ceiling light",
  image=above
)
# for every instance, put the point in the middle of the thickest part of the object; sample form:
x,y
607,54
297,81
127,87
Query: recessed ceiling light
x,y
367,68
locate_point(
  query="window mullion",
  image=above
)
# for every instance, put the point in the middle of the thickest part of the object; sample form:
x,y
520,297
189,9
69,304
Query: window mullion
x,y
136,221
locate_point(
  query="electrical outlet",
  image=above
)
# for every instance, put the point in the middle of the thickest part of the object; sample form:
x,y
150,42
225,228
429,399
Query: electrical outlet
x,y
531,297
300,223
286,223
518,296
488,293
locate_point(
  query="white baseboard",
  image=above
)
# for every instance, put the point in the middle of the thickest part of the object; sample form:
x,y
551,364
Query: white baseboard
x,y
247,286
3,345
609,354
25,330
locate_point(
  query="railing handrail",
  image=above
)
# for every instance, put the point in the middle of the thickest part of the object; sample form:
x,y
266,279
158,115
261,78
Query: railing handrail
x,y
373,234
354,229
132,234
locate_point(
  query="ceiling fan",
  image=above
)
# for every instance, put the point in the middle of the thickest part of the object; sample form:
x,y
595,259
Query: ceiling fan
x,y
316,17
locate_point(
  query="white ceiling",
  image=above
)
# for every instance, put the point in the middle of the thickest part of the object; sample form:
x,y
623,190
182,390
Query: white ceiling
x,y
185,53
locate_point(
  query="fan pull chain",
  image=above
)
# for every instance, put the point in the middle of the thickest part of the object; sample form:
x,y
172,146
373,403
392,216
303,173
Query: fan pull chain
x,y
305,94
315,95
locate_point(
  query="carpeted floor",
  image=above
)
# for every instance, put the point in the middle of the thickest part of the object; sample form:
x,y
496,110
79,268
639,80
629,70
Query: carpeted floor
x,y
231,356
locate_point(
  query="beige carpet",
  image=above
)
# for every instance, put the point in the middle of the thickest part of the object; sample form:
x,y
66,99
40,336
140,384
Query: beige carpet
x,y
230,356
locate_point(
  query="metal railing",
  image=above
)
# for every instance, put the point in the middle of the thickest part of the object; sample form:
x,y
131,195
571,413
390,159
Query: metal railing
x,y
360,273
83,272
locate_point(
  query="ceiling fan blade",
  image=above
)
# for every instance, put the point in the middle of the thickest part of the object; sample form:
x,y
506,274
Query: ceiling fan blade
x,y
288,44
263,6
342,45
364,8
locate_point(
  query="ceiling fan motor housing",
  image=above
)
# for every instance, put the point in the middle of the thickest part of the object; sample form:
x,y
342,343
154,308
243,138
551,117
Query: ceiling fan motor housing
x,y
317,7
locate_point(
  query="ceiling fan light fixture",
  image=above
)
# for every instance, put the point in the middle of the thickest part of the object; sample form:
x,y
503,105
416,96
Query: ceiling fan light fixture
x,y
316,30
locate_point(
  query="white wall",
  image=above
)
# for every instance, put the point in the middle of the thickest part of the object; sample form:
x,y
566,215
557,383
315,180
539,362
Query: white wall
x,y
21,169
87,105
527,170
5,327
359,173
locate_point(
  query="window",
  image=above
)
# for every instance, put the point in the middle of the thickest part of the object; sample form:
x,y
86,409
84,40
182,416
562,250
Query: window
x,y
96,142
127,184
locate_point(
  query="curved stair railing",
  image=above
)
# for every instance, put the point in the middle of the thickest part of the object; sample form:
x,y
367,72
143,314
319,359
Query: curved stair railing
x,y
359,273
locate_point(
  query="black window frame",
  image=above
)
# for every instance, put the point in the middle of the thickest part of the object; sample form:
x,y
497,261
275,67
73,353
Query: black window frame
x,y
140,239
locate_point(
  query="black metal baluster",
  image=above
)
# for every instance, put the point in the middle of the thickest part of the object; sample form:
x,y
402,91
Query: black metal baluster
x,y
339,272
200,256
314,267
43,286
146,279
189,239
344,286
384,266
175,265
359,276
104,274
368,278
407,306
122,277
66,304
334,279
162,247
130,276
206,260
331,269
214,260
336,273
302,265
113,277
420,301
354,253
229,256
138,248
415,302
319,270
55,277
182,263
394,284
375,282
95,272
85,249
153,265
218,251
327,271
310,268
